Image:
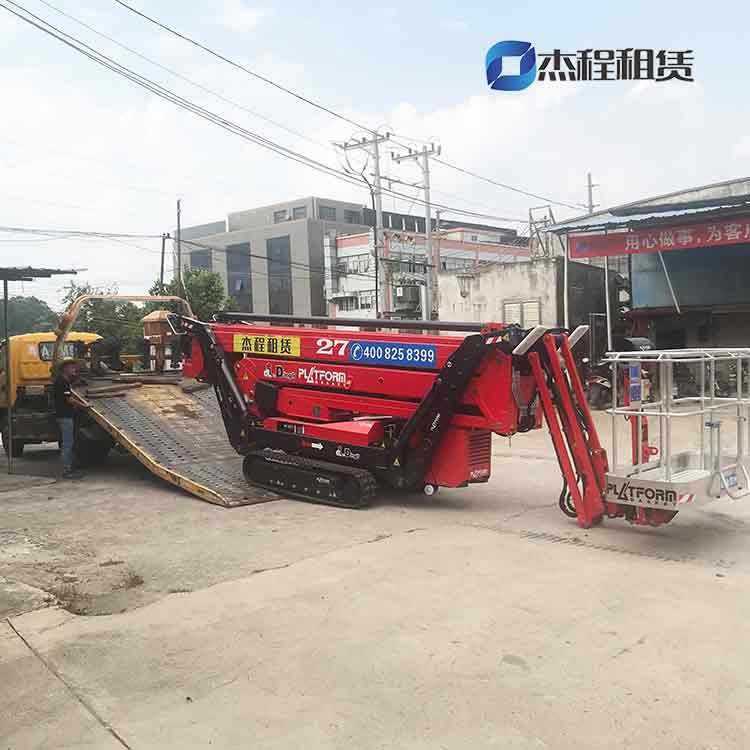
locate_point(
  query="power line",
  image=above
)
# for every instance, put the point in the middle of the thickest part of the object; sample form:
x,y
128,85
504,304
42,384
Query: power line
x,y
121,238
164,93
161,91
321,270
323,108
237,65
507,187
183,77
77,232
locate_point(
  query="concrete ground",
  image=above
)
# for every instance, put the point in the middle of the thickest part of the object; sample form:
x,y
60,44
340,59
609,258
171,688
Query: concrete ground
x,y
136,616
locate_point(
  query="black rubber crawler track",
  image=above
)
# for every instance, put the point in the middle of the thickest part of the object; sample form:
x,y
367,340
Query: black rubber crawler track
x,y
309,479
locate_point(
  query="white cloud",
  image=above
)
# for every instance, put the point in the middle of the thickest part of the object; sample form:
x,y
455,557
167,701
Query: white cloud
x,y
455,24
88,153
238,16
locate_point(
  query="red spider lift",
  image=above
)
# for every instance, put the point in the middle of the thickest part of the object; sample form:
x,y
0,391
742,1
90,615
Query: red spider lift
x,y
326,414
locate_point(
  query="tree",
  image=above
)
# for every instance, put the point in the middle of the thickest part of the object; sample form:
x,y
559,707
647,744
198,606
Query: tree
x,y
27,315
204,290
111,319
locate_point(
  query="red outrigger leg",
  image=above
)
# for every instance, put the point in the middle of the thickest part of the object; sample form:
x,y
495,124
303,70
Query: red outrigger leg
x,y
582,459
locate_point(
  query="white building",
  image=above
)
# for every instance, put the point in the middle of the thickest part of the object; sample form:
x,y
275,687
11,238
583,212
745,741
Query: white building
x,y
528,293
350,266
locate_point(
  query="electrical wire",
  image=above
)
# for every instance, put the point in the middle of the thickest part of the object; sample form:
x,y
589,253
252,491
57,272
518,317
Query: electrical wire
x,y
505,186
164,93
182,77
320,270
121,238
237,65
77,233
329,111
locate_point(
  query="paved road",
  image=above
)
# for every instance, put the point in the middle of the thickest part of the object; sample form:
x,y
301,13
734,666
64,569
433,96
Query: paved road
x,y
479,618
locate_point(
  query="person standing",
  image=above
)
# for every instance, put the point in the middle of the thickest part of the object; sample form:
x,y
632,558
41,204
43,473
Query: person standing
x,y
65,414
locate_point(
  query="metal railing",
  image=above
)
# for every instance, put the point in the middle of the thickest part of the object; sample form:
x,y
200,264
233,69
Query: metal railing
x,y
707,400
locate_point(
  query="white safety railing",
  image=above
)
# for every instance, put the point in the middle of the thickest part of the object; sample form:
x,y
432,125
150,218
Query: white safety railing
x,y
709,386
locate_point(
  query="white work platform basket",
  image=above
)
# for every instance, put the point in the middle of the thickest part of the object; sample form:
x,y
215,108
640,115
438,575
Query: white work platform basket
x,y
680,427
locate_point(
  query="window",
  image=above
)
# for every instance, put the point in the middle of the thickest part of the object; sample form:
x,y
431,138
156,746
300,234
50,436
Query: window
x,y
366,300
355,263
527,313
47,347
279,216
200,259
474,238
531,313
352,217
239,277
278,250
347,304
456,264
238,258
512,312
328,213
299,212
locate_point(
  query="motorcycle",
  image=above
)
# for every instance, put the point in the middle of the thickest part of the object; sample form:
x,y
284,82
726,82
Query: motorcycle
x,y
598,378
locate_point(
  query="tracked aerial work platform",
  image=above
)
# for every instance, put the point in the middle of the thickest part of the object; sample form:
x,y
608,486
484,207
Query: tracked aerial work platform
x,y
175,430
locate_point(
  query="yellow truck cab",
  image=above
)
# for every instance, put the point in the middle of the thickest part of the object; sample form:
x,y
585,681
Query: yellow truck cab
x,y
26,381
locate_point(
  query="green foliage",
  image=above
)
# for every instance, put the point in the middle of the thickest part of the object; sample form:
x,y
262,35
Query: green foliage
x,y
27,315
204,290
109,318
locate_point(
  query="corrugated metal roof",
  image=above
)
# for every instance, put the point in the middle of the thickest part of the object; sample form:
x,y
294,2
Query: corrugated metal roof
x,y
606,219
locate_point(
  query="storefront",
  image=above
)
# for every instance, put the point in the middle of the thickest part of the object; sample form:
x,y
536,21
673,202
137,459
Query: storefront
x,y
689,263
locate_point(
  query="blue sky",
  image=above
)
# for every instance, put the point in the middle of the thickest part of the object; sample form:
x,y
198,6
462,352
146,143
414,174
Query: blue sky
x,y
84,149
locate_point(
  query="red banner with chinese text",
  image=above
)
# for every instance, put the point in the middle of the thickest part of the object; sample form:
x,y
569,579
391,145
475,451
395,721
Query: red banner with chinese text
x,y
661,239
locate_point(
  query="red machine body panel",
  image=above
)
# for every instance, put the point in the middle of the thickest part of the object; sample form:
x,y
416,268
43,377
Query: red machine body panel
x,y
461,449
357,432
336,345
342,370
409,407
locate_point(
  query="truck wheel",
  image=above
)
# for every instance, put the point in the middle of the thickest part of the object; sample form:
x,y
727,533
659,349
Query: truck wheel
x,y
17,448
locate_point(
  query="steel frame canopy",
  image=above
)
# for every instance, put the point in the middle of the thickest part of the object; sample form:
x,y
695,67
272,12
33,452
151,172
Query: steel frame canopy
x,y
659,213
16,273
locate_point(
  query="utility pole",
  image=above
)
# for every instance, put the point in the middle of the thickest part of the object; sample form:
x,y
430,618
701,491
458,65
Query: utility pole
x,y
179,253
372,145
591,187
423,158
607,304
161,269
9,414
439,237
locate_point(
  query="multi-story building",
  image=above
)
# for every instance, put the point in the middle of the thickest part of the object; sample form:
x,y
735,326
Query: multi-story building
x,y
271,258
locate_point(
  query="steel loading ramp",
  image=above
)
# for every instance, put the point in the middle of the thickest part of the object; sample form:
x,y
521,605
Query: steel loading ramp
x,y
178,436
